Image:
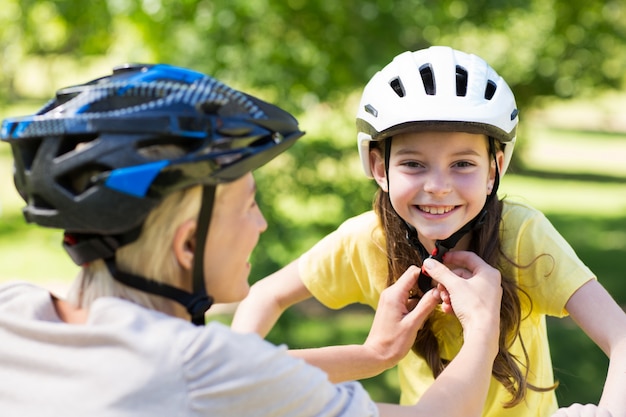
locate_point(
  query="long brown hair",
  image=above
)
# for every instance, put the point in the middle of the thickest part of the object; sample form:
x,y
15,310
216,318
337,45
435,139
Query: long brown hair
x,y
485,242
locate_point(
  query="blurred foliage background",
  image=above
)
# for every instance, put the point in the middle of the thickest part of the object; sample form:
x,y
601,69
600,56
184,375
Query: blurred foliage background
x,y
313,58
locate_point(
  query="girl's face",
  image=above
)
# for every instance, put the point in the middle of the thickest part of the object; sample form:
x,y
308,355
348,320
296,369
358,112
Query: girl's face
x,y
438,181
236,225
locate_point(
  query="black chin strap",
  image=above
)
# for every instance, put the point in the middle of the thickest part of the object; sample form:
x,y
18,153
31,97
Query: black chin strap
x,y
202,230
424,281
86,248
196,302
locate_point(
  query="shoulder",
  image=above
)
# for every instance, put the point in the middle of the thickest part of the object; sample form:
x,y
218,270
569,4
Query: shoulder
x,y
13,289
197,347
364,222
520,219
215,345
25,299
539,258
361,235
143,324
526,227
517,212
364,228
349,265
202,353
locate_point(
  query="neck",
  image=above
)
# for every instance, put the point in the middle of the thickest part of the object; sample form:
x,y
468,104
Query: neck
x,y
68,312
463,244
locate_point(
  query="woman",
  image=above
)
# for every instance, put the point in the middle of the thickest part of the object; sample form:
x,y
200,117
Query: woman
x,y
148,173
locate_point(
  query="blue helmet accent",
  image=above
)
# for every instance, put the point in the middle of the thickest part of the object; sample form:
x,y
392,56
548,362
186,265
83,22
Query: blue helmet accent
x,y
135,180
163,71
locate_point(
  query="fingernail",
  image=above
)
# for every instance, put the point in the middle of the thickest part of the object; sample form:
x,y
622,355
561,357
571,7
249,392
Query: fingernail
x,y
429,263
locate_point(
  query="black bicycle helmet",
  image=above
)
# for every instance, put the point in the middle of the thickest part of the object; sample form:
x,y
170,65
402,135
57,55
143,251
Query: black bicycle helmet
x,y
103,128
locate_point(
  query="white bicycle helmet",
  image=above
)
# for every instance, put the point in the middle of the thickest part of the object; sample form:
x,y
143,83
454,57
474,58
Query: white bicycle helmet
x,y
436,89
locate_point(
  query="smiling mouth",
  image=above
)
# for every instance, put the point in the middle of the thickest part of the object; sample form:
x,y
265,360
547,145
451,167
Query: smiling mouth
x,y
436,209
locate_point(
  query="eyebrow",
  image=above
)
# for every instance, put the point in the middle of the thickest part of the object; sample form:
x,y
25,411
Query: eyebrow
x,y
464,152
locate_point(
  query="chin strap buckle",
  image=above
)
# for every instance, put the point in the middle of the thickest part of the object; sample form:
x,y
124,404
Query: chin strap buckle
x,y
197,306
424,281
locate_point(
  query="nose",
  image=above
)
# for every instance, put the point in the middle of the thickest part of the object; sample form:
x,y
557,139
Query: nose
x,y
261,222
437,182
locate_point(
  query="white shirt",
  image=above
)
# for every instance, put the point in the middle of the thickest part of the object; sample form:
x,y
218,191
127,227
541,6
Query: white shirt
x,y
131,361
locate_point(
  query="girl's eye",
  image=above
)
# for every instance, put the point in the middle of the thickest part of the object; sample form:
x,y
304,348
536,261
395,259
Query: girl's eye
x,y
464,164
411,164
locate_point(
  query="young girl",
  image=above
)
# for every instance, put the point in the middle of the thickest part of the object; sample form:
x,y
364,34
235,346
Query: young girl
x,y
436,130
148,172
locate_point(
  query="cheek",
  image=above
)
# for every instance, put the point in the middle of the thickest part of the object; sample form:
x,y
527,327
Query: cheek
x,y
227,279
402,200
471,184
474,190
403,189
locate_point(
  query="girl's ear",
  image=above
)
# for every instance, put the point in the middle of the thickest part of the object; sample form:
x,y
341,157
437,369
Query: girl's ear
x,y
492,171
500,159
184,244
377,166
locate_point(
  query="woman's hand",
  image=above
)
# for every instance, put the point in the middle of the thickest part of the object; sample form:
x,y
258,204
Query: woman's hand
x,y
472,290
396,324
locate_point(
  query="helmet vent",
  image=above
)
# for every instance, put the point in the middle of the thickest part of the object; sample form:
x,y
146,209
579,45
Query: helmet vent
x,y
25,154
122,102
71,143
397,86
490,90
428,78
158,148
80,180
371,110
461,81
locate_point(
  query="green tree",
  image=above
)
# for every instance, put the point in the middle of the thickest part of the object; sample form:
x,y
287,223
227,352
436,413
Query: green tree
x,y
306,51
313,57
310,54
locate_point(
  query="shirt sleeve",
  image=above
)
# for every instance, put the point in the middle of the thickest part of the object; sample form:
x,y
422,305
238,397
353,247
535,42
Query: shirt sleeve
x,y
243,375
548,269
347,266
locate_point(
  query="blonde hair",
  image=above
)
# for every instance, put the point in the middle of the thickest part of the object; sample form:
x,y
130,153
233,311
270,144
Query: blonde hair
x,y
149,256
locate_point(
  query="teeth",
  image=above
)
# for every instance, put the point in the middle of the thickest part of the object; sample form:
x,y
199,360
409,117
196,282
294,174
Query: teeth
x,y
436,210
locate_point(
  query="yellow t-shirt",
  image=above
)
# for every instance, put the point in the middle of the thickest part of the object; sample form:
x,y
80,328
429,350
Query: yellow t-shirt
x,y
350,266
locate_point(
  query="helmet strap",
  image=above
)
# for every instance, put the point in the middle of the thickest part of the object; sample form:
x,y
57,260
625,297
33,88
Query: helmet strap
x,y
202,230
387,158
195,303
84,249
